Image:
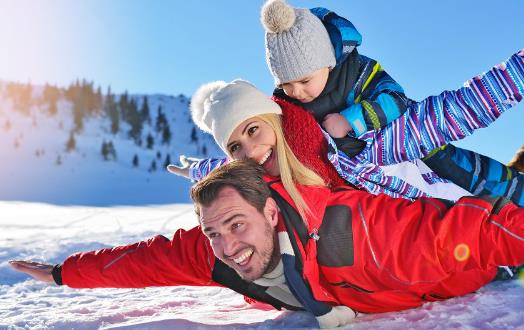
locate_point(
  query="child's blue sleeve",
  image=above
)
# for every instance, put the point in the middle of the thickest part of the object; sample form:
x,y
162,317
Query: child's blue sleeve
x,y
377,102
450,116
198,170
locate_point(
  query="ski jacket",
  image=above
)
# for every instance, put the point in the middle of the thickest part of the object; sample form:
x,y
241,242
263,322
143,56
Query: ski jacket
x,y
370,253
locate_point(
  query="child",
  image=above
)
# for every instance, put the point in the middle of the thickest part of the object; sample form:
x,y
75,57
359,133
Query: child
x,y
313,58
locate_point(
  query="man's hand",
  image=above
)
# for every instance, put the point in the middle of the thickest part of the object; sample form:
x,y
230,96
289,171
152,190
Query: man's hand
x,y
182,170
336,125
37,270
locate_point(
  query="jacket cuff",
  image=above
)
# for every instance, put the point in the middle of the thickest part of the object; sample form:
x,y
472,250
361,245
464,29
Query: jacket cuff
x,y
57,274
355,117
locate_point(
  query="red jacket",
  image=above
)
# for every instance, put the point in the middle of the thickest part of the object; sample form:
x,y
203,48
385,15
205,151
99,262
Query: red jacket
x,y
374,254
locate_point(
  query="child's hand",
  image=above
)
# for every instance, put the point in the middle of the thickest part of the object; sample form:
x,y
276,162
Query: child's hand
x,y
336,125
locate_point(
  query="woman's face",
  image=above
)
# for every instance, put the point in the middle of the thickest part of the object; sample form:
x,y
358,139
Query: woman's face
x,y
255,139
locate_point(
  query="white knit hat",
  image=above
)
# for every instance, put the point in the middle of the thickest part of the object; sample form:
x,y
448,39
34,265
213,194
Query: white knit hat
x,y
297,43
219,107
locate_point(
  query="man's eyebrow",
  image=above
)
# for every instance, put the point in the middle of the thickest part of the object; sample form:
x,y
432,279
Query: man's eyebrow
x,y
225,222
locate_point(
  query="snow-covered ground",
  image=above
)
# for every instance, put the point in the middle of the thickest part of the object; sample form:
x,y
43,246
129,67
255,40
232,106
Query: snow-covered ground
x,y
50,233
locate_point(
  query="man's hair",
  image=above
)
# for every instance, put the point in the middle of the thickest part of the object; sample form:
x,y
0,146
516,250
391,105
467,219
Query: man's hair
x,y
245,176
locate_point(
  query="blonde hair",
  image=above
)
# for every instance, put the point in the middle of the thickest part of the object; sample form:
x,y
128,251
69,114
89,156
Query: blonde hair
x,y
292,171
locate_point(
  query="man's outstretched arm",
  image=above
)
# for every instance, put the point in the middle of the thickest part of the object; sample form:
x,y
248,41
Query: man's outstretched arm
x,y
185,260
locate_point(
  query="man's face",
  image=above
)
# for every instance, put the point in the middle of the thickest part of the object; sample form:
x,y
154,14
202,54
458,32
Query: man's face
x,y
241,236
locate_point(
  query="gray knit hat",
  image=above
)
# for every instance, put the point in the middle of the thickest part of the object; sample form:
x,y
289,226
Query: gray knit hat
x,y
219,107
297,43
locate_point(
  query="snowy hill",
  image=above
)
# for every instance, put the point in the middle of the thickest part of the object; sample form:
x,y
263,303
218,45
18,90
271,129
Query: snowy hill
x,y
50,233
36,167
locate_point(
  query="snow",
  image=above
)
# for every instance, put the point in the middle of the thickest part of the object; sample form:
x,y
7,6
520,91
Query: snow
x,y
50,233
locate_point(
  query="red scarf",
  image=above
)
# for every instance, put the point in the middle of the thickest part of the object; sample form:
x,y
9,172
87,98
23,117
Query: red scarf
x,y
307,142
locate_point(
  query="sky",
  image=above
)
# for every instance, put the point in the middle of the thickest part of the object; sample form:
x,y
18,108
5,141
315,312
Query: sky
x,y
173,47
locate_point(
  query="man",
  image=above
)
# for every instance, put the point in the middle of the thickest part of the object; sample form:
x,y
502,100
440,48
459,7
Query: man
x,y
354,252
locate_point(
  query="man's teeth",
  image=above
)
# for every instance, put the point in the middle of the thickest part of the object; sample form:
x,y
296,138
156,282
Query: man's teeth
x,y
244,256
266,156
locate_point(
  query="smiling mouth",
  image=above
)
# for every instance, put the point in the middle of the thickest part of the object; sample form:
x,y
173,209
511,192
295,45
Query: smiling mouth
x,y
243,259
265,157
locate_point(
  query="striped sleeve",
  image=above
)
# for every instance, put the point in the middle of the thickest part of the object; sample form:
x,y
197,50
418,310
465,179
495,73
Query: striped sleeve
x,y
450,116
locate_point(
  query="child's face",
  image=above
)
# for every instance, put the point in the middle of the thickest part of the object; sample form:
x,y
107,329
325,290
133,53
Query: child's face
x,y
308,88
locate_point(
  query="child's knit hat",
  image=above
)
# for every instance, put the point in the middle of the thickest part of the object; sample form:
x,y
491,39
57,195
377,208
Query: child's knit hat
x,y
219,107
297,43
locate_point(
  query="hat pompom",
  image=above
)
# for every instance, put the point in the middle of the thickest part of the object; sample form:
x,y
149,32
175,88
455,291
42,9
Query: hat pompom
x,y
277,16
202,97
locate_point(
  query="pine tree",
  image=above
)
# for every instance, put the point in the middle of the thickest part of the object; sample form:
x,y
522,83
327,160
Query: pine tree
x,y
194,137
150,141
50,96
135,160
161,120
111,108
158,155
104,151
134,119
144,111
166,135
111,150
152,167
71,143
123,105
78,116
167,161
99,99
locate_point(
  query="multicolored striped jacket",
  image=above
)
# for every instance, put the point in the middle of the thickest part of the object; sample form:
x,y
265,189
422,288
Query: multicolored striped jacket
x,y
425,126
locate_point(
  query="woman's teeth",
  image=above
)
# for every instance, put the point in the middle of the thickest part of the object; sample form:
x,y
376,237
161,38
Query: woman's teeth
x,y
265,158
244,256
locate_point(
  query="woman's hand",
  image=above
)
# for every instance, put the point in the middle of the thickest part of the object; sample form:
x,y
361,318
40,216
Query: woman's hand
x,y
37,270
182,170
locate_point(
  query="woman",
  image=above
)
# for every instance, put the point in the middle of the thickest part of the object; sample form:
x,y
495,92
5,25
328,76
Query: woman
x,y
431,124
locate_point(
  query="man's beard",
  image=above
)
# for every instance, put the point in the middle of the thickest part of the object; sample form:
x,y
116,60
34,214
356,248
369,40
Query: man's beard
x,y
269,256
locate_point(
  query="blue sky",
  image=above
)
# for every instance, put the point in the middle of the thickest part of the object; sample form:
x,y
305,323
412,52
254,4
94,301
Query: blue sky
x,y
174,46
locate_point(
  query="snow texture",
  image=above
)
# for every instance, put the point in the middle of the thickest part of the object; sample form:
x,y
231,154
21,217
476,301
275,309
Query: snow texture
x,y
50,233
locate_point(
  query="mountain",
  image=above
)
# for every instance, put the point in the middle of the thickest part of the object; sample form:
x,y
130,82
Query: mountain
x,y
79,146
